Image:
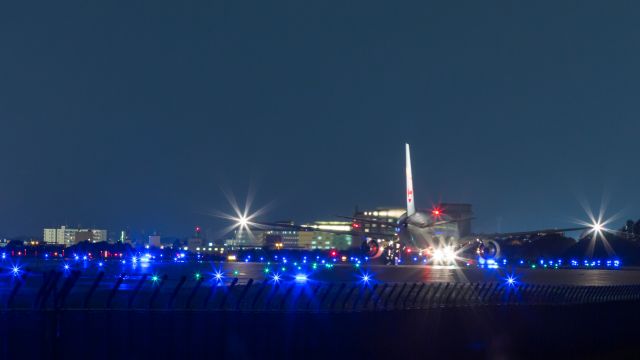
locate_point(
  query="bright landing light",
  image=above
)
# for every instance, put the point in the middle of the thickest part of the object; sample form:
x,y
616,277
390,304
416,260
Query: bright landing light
x,y
444,255
597,227
243,221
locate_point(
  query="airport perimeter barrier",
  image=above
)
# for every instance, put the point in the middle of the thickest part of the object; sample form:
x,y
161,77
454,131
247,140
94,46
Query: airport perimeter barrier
x,y
58,291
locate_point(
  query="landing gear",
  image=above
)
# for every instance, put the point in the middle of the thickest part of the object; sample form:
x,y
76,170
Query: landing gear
x,y
393,253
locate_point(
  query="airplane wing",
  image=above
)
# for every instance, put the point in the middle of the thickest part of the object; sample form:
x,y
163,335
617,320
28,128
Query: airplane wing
x,y
281,226
368,221
525,233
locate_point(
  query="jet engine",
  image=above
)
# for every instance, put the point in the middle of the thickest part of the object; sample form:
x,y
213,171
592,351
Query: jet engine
x,y
488,249
372,249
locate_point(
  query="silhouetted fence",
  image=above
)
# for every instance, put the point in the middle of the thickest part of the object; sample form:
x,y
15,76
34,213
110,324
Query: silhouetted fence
x,y
62,292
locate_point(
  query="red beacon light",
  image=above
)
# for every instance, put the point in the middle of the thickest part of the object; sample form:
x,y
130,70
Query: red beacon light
x,y
333,253
436,212
355,225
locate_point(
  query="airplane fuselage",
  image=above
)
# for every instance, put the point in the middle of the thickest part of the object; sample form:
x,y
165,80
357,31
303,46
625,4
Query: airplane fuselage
x,y
418,234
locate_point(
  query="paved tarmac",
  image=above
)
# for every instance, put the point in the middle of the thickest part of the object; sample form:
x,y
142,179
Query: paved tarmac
x,y
338,273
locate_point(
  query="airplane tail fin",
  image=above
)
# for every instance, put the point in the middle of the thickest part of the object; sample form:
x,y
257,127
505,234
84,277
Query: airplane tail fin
x,y
411,207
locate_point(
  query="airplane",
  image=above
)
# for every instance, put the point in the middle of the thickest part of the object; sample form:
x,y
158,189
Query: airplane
x,y
432,234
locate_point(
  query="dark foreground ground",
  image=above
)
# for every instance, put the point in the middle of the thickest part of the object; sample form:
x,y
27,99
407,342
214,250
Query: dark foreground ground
x,y
606,331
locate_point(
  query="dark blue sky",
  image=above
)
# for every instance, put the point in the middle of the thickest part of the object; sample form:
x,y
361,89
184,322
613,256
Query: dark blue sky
x,y
130,113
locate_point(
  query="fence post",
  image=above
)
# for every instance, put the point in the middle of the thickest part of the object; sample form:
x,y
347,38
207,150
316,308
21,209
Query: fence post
x,y
415,298
370,296
46,279
113,292
283,302
346,299
377,298
227,292
466,293
406,299
258,293
431,293
193,293
272,293
395,302
15,289
386,300
361,292
135,291
450,297
313,296
50,288
66,289
243,293
93,288
156,291
335,298
212,290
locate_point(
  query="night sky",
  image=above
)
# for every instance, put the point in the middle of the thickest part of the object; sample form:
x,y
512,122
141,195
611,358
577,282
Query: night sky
x,y
136,114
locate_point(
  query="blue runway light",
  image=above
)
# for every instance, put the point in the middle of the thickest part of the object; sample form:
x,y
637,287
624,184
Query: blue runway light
x,y
84,257
218,276
301,277
100,264
276,278
366,278
510,280
15,270
66,266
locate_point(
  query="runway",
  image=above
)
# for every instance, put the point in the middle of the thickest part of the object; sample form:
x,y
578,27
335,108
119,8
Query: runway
x,y
338,273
